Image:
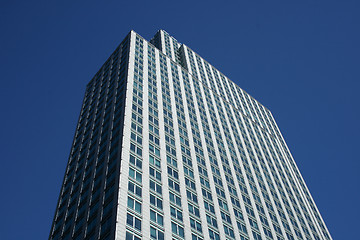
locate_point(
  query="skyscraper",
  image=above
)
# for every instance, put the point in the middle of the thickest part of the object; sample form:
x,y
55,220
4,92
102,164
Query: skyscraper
x,y
167,147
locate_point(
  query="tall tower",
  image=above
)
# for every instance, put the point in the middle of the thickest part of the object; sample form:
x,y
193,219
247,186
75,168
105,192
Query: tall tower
x,y
167,147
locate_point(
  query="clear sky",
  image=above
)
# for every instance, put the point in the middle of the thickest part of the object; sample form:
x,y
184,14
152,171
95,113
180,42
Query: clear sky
x,y
298,58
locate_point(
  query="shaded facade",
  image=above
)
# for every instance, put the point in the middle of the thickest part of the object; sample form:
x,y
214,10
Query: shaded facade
x,y
167,147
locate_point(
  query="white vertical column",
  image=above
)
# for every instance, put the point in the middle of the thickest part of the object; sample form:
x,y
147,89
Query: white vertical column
x,y
120,227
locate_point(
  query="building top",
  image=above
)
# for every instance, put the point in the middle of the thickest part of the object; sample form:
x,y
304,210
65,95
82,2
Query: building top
x,y
222,86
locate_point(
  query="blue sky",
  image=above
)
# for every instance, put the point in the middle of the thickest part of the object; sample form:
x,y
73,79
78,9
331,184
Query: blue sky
x,y
300,59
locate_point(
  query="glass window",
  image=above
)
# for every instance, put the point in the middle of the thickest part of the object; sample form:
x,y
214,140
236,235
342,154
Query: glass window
x,y
156,217
134,205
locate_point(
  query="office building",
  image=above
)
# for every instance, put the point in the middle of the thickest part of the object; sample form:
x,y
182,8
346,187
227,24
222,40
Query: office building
x,y
167,147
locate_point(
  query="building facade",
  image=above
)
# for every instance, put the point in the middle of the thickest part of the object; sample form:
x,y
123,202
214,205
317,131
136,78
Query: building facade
x,y
167,147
